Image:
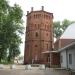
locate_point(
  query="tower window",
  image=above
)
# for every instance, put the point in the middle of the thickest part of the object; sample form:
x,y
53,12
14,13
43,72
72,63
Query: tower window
x,y
45,26
30,17
36,34
47,46
34,16
35,45
47,34
49,17
35,25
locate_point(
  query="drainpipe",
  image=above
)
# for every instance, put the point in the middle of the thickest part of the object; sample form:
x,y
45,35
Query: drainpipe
x,y
67,58
50,59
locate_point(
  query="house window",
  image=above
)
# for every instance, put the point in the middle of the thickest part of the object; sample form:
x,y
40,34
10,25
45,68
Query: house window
x,y
61,59
70,58
36,34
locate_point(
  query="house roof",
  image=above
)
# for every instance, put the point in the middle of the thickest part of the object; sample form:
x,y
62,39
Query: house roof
x,y
64,48
49,52
69,33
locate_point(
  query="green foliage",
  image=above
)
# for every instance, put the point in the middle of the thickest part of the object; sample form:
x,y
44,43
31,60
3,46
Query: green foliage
x,y
59,28
10,30
7,62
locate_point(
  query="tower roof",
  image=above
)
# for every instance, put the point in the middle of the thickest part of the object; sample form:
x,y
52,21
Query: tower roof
x,y
42,10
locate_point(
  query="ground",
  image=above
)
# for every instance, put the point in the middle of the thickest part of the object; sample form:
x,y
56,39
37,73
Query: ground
x,y
34,71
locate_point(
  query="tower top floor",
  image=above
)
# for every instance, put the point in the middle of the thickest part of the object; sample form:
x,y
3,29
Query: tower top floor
x,y
39,12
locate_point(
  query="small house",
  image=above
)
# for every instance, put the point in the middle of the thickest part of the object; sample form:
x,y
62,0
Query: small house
x,y
67,56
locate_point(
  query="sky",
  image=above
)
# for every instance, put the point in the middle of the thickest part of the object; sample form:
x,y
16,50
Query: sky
x,y
61,9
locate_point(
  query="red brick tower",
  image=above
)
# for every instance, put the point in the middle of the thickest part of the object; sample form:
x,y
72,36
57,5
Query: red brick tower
x,y
39,36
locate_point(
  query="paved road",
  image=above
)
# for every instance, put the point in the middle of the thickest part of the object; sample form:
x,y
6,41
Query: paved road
x,y
34,71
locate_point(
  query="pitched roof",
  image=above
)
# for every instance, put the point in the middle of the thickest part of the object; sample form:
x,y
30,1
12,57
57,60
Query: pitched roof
x,y
69,32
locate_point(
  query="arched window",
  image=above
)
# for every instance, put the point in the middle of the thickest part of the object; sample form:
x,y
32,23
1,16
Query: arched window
x,y
47,34
34,15
47,46
35,25
36,34
35,45
44,16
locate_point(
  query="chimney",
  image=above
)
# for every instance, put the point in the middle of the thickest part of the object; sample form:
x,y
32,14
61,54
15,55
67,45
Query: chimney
x,y
31,9
42,8
27,12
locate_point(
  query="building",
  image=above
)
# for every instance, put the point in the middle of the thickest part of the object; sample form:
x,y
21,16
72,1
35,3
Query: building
x,y
65,46
39,37
66,38
67,56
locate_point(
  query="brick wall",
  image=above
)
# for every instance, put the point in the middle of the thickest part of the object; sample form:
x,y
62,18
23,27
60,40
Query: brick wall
x,y
39,35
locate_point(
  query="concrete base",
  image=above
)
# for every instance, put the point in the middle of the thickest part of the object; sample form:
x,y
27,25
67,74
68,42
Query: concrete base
x,y
28,67
13,66
1,66
42,67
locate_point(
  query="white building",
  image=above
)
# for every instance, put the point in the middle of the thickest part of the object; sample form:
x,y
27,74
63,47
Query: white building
x,y
67,56
67,53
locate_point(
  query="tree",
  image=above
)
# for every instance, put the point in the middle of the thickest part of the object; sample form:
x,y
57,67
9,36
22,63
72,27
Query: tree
x,y
59,27
3,14
11,27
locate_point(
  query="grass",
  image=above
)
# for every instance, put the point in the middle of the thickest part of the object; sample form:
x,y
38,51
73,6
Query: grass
x,y
6,63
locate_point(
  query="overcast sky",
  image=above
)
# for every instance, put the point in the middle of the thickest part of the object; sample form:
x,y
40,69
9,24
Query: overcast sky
x,y
61,9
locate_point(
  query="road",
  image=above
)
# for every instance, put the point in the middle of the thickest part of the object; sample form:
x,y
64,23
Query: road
x,y
34,71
